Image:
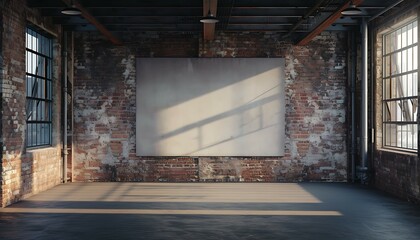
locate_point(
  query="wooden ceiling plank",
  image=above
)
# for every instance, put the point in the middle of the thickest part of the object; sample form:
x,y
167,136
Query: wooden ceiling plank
x,y
101,28
326,23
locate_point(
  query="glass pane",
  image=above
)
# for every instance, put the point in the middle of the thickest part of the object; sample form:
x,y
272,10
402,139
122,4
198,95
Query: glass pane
x,y
393,41
387,66
415,32
399,141
391,110
49,75
404,86
404,61
387,43
394,88
395,63
387,88
34,43
387,134
410,85
393,135
414,136
413,107
404,37
398,39
410,34
41,66
415,58
409,59
49,97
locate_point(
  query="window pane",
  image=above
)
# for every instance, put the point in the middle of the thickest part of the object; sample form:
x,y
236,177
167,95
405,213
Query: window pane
x,y
400,87
410,34
393,42
387,44
394,88
404,61
409,59
387,66
38,89
387,88
395,63
404,37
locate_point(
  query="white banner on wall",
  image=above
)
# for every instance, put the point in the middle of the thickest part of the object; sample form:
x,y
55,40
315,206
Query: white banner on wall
x,y
210,107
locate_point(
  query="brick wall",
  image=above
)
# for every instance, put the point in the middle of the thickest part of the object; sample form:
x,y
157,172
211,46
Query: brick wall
x,y
104,108
1,105
395,172
398,174
23,172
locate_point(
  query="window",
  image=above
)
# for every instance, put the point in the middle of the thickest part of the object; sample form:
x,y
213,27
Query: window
x,y
400,80
38,89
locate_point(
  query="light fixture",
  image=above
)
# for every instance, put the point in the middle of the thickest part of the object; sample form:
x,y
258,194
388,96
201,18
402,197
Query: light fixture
x,y
71,10
351,10
210,18
339,66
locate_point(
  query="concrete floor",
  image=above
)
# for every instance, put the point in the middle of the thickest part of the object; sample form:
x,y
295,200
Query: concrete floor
x,y
210,211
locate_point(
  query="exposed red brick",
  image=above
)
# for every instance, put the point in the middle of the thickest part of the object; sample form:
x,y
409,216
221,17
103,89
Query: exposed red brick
x,y
105,121
23,172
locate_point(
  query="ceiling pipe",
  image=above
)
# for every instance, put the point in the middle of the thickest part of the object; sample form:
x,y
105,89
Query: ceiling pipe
x,y
353,65
364,104
65,92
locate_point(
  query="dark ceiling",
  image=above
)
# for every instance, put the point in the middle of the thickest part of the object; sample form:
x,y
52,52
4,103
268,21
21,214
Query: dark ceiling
x,y
294,18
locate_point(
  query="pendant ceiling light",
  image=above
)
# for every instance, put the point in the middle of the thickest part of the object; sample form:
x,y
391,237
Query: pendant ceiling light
x,y
210,18
71,10
351,10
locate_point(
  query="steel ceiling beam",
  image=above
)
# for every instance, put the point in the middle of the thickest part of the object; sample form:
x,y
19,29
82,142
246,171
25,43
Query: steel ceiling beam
x,y
327,22
310,12
101,28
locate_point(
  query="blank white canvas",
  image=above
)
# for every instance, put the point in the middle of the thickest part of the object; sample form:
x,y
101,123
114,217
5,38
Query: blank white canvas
x,y
210,107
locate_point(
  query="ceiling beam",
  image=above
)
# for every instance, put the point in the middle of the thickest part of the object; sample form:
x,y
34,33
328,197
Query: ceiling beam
x,y
304,17
209,28
327,22
101,28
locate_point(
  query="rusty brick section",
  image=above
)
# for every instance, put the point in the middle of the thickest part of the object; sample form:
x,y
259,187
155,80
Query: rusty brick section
x,y
22,173
105,110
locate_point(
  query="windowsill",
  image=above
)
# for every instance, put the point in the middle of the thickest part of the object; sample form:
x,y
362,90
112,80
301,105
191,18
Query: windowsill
x,y
40,149
398,151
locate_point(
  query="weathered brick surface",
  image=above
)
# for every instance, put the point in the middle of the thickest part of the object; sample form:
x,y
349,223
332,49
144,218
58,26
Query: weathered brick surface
x,y
395,172
398,174
23,172
105,109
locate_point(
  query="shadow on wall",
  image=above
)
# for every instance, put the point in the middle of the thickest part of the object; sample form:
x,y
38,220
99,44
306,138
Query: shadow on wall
x,y
210,107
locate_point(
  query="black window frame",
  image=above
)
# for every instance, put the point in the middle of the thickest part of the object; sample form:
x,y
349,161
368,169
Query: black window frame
x,y
399,101
39,87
